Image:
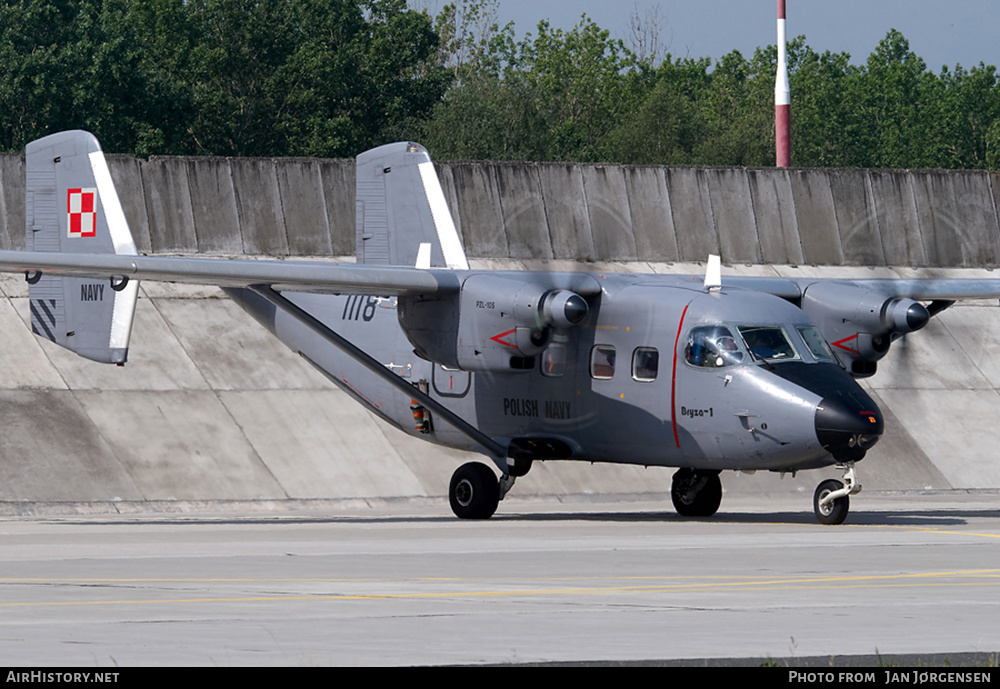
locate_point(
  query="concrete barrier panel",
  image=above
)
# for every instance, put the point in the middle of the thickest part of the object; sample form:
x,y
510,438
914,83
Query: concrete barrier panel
x,y
213,205
774,214
23,364
897,461
522,207
168,203
321,444
231,350
652,221
977,217
51,451
341,211
126,173
966,453
691,205
958,218
608,208
566,211
191,447
994,186
816,217
300,183
938,217
258,202
12,213
896,215
732,211
476,207
976,330
448,189
859,232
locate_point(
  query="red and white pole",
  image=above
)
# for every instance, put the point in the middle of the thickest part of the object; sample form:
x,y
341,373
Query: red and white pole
x,y
782,98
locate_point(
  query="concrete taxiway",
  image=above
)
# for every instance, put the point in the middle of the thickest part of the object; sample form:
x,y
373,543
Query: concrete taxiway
x,y
404,583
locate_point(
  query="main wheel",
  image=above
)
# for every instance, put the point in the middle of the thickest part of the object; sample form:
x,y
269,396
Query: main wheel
x,y
833,512
696,493
474,492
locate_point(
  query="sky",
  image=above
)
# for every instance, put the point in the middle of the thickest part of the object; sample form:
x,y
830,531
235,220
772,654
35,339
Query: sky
x,y
950,32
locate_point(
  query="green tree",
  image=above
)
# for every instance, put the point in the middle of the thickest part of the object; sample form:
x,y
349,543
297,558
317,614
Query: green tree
x,y
664,126
67,64
968,118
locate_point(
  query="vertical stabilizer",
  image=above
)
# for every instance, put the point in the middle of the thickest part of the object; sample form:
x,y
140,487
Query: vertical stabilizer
x,y
71,207
401,206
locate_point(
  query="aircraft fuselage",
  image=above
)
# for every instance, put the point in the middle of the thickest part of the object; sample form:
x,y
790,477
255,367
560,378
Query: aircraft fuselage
x,y
661,372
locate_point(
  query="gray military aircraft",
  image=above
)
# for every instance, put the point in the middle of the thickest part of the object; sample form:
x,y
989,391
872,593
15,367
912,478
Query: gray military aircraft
x,y
693,372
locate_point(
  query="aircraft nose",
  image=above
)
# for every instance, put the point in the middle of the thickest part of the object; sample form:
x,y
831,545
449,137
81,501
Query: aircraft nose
x,y
848,425
847,420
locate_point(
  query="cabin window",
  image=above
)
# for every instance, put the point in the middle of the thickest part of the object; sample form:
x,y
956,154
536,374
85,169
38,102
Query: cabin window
x,y
712,346
554,360
815,343
602,362
645,364
768,342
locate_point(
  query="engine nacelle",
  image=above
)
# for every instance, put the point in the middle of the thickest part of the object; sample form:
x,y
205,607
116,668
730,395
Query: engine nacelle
x,y
861,323
496,323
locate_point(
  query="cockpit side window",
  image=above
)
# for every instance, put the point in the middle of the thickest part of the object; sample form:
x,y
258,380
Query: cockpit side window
x,y
815,343
768,342
712,346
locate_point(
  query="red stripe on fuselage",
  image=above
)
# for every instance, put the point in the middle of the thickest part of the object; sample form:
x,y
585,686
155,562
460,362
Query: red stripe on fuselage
x,y
673,380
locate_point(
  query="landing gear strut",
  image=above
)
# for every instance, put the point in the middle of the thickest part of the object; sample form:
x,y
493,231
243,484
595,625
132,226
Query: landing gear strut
x,y
696,493
831,501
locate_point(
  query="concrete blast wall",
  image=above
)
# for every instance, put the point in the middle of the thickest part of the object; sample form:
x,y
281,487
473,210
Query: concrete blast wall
x,y
305,207
213,407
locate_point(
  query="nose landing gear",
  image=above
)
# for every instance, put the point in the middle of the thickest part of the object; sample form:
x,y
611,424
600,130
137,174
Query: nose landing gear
x,y
831,501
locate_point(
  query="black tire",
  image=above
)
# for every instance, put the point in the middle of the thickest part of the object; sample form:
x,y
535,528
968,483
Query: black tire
x,y
696,494
836,511
474,492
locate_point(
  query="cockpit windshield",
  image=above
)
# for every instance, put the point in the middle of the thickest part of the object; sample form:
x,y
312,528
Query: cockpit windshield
x,y
716,346
815,342
768,342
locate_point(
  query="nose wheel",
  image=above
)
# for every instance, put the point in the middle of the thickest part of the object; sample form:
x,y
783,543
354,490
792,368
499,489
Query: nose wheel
x,y
832,500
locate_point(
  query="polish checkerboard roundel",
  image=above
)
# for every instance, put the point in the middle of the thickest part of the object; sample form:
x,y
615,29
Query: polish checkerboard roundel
x,y
81,205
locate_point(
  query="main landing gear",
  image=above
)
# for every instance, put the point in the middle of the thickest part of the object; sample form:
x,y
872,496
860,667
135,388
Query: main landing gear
x,y
831,501
696,493
475,491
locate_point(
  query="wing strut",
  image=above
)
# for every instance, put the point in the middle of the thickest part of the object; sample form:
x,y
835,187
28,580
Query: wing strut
x,y
363,358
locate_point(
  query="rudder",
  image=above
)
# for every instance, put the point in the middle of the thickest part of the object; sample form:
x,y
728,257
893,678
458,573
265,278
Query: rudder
x,y
402,216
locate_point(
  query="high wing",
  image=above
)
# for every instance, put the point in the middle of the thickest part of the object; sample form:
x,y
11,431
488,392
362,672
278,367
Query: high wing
x,y
919,289
298,276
